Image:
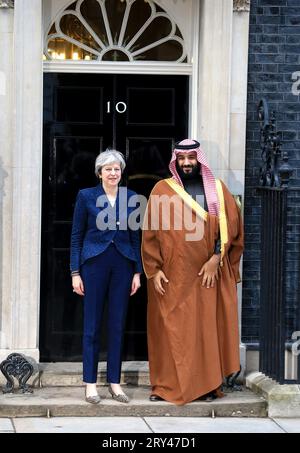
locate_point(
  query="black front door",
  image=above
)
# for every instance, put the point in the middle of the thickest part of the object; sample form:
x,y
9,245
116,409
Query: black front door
x,y
141,116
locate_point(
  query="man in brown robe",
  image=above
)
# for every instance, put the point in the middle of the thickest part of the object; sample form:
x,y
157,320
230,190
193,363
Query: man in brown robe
x,y
192,269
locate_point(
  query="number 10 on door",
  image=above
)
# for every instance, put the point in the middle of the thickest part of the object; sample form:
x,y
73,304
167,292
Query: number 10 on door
x,y
120,107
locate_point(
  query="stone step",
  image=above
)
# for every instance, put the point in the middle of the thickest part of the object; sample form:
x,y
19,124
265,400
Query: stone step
x,y
70,402
69,374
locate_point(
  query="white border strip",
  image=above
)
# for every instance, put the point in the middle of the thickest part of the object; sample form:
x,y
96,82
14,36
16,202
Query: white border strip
x,y
81,66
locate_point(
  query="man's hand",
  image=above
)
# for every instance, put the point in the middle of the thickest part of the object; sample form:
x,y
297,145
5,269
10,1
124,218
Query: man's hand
x,y
158,279
77,284
210,271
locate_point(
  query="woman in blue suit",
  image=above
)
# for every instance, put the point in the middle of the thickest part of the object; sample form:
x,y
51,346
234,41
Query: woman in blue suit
x,y
105,264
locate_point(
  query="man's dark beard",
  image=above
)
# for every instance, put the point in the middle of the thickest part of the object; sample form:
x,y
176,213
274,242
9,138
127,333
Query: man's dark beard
x,y
191,175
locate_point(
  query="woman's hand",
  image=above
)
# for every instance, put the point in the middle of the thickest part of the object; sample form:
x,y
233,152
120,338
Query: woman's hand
x,y
136,284
210,271
77,284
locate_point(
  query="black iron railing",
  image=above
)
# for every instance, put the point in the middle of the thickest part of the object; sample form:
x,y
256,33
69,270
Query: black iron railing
x,y
275,175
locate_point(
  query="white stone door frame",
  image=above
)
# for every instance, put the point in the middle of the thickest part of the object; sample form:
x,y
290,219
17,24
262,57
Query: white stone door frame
x,y
217,118
179,10
20,292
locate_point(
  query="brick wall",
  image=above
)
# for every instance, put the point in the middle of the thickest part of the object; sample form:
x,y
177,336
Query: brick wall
x,y
274,55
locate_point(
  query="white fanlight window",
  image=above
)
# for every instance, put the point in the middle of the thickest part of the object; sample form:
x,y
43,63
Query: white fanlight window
x,y
115,30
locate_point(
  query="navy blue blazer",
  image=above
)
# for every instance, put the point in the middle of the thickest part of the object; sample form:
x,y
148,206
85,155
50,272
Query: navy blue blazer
x,y
87,240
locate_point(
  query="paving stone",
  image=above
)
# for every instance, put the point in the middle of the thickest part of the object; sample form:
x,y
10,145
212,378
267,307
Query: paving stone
x,y
81,425
209,425
6,425
290,425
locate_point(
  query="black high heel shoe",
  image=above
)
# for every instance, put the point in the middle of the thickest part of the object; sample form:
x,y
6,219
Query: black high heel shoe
x,y
121,397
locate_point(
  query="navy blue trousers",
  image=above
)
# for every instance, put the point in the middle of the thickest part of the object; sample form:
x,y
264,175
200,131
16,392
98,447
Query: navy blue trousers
x,y
107,276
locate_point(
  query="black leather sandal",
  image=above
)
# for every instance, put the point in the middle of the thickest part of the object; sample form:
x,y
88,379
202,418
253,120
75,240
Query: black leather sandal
x,y
154,397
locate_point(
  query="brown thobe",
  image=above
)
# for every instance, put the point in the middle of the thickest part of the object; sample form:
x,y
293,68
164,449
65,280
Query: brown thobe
x,y
193,337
